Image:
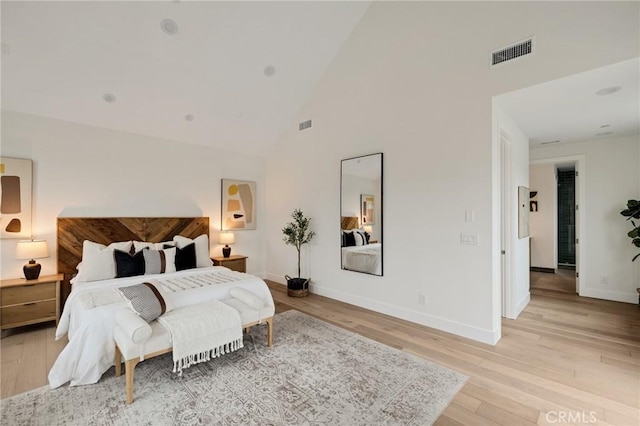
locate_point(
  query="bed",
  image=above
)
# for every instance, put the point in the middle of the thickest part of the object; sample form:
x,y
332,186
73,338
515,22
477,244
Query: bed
x,y
358,253
365,258
88,315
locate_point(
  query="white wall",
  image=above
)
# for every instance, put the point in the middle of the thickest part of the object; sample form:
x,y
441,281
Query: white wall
x,y
81,170
413,82
611,177
542,178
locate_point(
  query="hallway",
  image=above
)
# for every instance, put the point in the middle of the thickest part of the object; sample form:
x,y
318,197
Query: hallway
x,y
563,281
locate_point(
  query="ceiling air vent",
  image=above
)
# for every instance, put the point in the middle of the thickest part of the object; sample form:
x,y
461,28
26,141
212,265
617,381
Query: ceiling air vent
x,y
512,52
305,125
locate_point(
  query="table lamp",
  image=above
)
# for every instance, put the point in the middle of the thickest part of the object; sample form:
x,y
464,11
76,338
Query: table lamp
x,y
32,249
226,238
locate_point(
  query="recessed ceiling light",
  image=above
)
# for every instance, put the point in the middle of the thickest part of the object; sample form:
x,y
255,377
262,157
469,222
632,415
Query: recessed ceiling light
x,y
189,117
108,97
169,26
269,70
608,90
604,134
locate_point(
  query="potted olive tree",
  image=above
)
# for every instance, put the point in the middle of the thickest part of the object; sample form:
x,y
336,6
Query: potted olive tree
x,y
633,212
297,233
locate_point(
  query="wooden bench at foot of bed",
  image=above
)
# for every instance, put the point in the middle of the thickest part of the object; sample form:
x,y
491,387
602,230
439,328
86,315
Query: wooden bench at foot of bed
x,y
134,338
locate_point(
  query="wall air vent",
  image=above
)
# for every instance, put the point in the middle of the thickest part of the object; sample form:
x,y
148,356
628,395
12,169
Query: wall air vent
x,y
305,125
512,52
548,142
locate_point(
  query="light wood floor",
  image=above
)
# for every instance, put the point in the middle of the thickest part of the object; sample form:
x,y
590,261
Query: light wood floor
x,y
564,280
565,360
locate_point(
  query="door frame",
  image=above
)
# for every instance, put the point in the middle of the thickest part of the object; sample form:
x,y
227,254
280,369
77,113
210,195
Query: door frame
x,y
505,224
581,202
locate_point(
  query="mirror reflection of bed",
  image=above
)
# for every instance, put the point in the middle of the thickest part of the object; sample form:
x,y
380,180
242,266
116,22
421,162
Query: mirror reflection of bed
x,y
362,256
361,214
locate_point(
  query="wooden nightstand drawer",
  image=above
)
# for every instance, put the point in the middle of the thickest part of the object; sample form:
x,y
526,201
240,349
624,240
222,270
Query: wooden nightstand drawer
x,y
235,262
28,293
27,313
24,302
235,265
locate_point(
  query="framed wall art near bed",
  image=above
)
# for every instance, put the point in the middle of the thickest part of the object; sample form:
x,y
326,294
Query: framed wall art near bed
x,y
15,203
367,209
238,205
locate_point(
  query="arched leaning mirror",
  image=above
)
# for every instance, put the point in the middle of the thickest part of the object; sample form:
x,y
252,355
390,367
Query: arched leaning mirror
x,y
361,214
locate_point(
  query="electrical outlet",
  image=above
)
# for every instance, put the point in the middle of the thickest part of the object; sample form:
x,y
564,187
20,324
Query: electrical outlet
x,y
422,299
604,280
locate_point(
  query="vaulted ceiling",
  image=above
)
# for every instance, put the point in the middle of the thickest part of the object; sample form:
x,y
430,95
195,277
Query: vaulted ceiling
x,y
233,75
230,75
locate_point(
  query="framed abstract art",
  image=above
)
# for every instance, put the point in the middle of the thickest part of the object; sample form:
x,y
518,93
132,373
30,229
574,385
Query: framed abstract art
x,y
15,197
367,209
238,205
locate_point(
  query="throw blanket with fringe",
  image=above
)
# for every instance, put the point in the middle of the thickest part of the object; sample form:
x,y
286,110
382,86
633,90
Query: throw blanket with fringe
x,y
202,332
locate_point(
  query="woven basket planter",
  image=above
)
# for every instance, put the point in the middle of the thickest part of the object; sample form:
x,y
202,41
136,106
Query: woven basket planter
x,y
297,287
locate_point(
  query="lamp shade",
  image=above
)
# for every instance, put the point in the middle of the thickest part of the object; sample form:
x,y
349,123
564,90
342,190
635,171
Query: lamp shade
x,y
32,249
226,238
368,229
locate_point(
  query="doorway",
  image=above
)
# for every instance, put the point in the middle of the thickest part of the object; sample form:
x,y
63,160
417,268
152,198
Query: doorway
x,y
558,240
566,217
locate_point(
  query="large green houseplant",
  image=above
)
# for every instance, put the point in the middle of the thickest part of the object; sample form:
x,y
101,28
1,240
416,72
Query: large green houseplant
x,y
297,234
633,212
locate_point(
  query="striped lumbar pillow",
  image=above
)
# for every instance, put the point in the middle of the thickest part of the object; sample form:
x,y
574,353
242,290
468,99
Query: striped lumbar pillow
x,y
145,300
159,261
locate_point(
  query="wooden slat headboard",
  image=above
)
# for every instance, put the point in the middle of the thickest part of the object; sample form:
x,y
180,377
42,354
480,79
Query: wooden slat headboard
x,y
349,222
72,231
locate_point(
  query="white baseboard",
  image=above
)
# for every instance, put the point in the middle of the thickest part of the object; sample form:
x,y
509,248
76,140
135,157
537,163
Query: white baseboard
x,y
616,296
277,278
482,335
522,304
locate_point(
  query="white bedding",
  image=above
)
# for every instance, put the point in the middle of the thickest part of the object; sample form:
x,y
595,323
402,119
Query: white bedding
x,y
88,318
365,258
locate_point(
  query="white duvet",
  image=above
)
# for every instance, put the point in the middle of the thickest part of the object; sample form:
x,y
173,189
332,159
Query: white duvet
x,y
88,319
365,258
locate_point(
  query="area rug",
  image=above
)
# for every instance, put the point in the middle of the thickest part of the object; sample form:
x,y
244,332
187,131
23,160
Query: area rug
x,y
315,374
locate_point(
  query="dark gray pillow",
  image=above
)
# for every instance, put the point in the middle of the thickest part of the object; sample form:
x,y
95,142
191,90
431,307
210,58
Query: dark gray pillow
x,y
145,300
185,257
349,239
128,265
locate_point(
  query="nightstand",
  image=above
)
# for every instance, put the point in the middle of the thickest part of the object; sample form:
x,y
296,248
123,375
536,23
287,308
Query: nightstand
x,y
234,262
24,302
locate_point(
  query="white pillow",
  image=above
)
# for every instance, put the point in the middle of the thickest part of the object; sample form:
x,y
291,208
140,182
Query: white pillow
x,y
160,246
141,245
98,262
359,238
202,249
